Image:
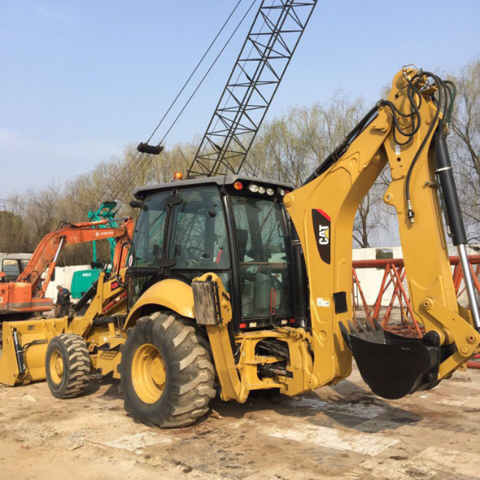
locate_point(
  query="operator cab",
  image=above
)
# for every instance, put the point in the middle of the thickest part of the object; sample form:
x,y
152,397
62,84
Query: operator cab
x,y
232,225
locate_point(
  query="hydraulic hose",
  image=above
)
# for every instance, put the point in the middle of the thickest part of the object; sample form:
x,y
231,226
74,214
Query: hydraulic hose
x,y
341,149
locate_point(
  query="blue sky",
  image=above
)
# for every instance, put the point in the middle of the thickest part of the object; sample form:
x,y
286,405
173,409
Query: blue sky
x,y
81,79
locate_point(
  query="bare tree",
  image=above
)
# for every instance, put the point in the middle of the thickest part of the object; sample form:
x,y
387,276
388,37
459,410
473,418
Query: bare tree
x,y
465,144
289,148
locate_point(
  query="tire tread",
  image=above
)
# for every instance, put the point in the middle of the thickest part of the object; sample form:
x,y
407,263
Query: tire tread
x,y
190,361
78,366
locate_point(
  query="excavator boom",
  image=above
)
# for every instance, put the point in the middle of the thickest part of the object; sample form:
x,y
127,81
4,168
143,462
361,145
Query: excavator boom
x,y
27,294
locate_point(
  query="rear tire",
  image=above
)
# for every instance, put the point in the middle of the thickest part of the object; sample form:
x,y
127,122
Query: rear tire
x,y
166,371
67,365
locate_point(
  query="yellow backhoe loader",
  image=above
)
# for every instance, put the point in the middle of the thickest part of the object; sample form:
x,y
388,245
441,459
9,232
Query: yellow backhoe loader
x,y
248,282
242,280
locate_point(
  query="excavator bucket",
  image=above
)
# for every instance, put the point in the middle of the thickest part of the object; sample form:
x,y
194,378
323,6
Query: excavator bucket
x,y
391,365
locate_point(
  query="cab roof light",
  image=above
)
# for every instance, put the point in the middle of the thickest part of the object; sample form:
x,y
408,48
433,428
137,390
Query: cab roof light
x,y
238,185
261,190
253,188
270,191
178,176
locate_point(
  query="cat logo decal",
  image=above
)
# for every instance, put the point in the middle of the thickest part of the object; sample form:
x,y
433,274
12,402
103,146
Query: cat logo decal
x,y
321,226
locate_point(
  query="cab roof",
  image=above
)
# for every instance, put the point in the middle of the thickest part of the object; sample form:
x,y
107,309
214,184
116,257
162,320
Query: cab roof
x,y
143,192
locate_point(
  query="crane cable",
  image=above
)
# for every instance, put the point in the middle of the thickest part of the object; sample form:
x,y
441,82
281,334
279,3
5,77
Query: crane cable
x,y
194,71
129,174
208,71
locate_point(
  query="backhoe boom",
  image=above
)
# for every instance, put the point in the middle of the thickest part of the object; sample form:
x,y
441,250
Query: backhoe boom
x,y
407,133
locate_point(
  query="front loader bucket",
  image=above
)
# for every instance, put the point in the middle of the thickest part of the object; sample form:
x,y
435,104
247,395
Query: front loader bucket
x,y
391,365
22,360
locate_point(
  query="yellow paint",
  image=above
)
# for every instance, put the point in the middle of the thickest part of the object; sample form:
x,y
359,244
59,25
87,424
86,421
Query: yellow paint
x,y
148,373
170,294
237,379
319,357
28,332
56,367
338,192
34,336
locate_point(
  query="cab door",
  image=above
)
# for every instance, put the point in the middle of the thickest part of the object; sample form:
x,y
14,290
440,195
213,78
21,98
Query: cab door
x,y
199,239
147,260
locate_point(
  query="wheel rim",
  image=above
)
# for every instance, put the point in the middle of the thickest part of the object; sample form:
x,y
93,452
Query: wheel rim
x,y
56,367
148,373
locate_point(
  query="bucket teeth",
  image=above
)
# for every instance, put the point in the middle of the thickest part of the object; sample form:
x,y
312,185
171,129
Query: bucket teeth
x,y
376,324
366,331
353,330
362,331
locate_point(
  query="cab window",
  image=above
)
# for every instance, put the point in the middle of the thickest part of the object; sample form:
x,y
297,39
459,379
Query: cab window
x,y
263,256
150,231
200,239
11,268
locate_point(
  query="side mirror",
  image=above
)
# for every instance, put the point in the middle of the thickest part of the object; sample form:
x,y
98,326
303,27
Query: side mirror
x,y
137,204
94,265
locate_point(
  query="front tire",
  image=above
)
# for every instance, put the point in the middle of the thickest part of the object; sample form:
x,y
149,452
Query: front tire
x,y
166,372
67,365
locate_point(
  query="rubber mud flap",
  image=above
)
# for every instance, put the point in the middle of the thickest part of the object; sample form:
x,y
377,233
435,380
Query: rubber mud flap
x,y
391,365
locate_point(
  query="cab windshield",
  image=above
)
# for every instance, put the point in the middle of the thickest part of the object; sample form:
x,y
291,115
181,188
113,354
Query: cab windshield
x,y
264,257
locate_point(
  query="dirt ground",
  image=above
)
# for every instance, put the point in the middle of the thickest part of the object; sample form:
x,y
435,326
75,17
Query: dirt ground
x,y
341,432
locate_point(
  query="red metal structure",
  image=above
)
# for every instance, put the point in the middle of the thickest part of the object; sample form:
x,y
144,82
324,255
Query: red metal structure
x,y
393,281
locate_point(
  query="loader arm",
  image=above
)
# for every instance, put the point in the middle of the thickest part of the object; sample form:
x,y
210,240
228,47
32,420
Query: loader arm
x,y
407,133
47,251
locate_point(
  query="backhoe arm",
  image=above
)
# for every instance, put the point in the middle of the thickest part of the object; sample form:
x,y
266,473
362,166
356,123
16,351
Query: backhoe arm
x,y
407,132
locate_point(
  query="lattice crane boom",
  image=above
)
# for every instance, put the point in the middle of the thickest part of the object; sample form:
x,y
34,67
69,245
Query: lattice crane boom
x,y
251,87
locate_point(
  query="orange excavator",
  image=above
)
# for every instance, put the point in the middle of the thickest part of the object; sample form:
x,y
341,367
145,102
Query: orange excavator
x,y
27,294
